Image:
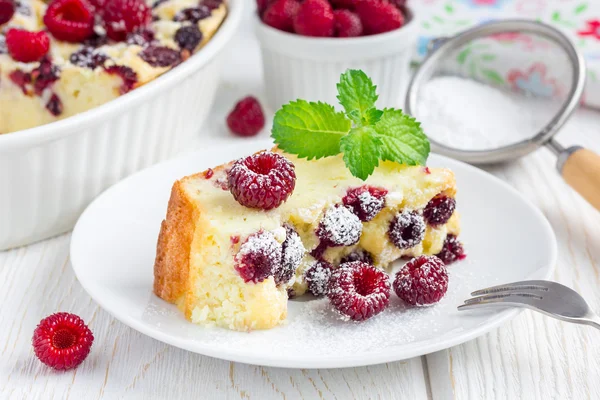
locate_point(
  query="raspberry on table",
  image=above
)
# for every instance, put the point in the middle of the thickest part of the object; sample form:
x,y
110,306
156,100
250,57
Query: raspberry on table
x,y
264,180
315,18
7,10
317,277
188,37
378,16
347,24
365,201
62,341
25,46
125,16
358,290
407,229
247,117
291,256
439,210
160,56
452,250
339,227
280,14
69,20
422,280
259,257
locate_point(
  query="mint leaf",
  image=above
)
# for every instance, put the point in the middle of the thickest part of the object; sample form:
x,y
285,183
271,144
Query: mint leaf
x,y
356,94
362,151
372,116
402,137
309,130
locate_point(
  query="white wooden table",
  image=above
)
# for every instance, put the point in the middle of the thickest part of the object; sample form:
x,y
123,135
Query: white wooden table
x,y
532,357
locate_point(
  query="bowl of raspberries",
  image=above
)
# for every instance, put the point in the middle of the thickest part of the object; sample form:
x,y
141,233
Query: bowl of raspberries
x,y
307,44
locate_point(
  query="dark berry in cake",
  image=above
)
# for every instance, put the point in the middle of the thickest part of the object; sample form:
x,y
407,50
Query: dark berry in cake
x,y
69,20
21,79
44,76
339,227
212,4
246,118
193,14
125,16
280,14
54,105
128,75
25,46
96,41
188,37
358,255
439,210
317,277
160,56
62,341
315,18
347,24
378,16
7,10
407,229
259,257
421,281
264,180
209,173
142,37
359,291
365,201
87,57
292,253
452,250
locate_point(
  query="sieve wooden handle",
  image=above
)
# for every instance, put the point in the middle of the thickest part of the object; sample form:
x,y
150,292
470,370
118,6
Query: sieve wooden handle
x,y
581,170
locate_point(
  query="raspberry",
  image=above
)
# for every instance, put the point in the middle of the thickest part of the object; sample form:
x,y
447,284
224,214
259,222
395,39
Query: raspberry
x,y
359,291
246,118
365,201
317,277
378,16
452,250
21,79
193,14
86,57
44,76
400,4
188,37
347,24
358,255
128,75
423,280
314,18
439,210
125,16
160,56
292,253
62,341
407,229
69,20
25,46
263,180
280,14
54,105
339,227
259,257
261,5
212,4
346,4
142,37
7,10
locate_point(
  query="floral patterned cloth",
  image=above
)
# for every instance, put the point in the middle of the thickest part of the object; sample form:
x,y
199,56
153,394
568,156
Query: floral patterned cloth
x,y
518,60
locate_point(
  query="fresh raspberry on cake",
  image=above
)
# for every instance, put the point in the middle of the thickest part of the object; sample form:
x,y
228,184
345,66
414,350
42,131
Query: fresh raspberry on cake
x,y
7,10
365,201
247,117
378,16
339,227
452,250
347,24
439,210
259,257
264,180
315,18
25,46
62,341
421,281
407,229
280,14
69,20
359,291
125,16
317,277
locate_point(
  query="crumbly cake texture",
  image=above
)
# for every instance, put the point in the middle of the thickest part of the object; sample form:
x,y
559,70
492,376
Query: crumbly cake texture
x,y
80,76
205,229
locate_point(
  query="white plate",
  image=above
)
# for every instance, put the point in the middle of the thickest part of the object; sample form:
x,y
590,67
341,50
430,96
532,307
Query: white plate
x,y
113,247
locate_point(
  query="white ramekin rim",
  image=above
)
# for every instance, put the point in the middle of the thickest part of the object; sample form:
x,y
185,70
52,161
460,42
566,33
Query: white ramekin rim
x,y
56,130
336,49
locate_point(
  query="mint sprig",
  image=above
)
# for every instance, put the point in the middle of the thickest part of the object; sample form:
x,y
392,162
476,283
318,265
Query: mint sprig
x,y
364,134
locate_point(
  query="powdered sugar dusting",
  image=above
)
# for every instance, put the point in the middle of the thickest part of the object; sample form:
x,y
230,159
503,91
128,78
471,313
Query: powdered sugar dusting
x,y
340,227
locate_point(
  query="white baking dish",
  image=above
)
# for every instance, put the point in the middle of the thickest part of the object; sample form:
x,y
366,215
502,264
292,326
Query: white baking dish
x,y
49,174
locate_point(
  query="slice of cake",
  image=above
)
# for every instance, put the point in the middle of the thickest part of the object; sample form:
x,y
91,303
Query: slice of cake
x,y
242,237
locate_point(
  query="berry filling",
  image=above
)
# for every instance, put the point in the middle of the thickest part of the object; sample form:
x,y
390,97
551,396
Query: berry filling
x,y
87,57
193,14
44,75
142,37
69,20
452,250
421,281
317,277
259,257
339,227
358,255
359,291
160,56
188,37
292,253
128,76
54,105
439,210
365,201
264,180
407,229
246,118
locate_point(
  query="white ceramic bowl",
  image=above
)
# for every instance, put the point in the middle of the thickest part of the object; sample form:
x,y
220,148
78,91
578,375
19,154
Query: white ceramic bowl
x,y
49,174
300,67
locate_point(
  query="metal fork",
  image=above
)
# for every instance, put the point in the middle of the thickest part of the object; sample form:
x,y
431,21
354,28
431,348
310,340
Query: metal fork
x,y
550,298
